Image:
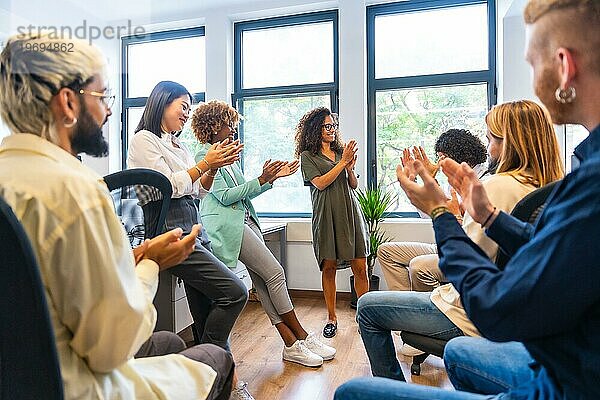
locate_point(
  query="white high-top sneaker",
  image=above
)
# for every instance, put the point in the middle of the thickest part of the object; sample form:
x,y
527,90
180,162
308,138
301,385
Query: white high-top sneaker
x,y
299,353
319,348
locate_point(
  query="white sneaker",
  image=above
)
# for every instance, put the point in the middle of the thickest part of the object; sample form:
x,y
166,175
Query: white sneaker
x,y
240,392
299,353
319,348
409,351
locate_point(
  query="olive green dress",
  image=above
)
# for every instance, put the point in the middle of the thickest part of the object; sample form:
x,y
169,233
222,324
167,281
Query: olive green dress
x,y
338,225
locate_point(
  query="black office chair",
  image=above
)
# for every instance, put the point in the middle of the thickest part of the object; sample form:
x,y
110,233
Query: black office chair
x,y
139,224
29,367
527,209
126,205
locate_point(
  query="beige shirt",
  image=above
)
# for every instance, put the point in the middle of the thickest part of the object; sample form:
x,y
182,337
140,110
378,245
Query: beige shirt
x,y
100,303
504,191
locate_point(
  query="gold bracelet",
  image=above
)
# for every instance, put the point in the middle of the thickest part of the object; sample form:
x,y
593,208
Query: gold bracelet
x,y
199,170
436,212
207,164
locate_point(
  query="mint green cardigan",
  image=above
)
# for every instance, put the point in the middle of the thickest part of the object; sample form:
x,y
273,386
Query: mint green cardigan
x,y
223,210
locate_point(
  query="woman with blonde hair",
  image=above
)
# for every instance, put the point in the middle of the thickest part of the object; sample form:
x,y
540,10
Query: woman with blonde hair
x,y
522,137
234,230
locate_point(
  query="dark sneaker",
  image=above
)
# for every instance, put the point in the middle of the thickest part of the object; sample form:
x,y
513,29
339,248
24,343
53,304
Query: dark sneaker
x,y
330,330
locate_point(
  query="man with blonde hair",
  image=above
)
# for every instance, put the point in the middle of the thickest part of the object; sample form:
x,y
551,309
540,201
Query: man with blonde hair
x,y
99,294
547,299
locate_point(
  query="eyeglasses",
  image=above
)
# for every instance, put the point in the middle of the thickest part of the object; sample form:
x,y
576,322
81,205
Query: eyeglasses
x,y
107,98
330,127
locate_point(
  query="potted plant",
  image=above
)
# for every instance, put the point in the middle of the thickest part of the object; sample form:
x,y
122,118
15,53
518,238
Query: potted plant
x,y
374,202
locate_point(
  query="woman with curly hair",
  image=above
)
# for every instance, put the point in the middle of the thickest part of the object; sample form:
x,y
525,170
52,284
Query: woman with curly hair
x,y
339,235
234,230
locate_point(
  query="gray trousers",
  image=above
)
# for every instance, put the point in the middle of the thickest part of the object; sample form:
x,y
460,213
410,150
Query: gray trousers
x,y
220,360
216,296
266,273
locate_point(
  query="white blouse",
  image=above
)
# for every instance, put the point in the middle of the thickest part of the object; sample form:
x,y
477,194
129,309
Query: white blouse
x,y
167,155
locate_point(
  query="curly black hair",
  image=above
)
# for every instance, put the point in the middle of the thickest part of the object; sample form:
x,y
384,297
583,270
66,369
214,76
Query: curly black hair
x,y
461,146
309,133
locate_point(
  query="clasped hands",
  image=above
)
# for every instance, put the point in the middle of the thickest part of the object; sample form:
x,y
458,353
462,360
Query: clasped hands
x,y
169,249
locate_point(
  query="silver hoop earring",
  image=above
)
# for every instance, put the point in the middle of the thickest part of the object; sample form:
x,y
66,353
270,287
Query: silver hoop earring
x,y
69,124
565,96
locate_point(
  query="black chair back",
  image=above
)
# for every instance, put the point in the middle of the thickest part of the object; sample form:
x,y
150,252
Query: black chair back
x,y
145,177
29,367
528,209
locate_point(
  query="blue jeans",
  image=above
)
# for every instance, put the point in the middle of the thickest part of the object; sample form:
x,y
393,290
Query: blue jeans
x,y
380,313
478,365
381,388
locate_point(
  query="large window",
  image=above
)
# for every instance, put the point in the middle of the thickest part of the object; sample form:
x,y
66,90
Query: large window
x,y
431,67
178,56
284,67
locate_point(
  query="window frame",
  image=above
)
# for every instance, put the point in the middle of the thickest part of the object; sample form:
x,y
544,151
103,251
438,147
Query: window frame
x,y
240,93
136,102
375,85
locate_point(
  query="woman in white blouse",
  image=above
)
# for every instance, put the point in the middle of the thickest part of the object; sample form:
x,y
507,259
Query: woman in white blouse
x,y
216,296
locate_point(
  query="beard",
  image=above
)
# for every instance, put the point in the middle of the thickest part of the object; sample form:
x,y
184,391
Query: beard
x,y
545,89
87,137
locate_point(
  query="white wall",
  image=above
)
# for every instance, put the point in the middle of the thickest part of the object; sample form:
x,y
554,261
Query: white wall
x,y
15,14
514,73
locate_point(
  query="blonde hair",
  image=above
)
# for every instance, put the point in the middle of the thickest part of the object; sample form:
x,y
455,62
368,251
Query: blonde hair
x,y
33,68
530,150
535,9
209,117
577,27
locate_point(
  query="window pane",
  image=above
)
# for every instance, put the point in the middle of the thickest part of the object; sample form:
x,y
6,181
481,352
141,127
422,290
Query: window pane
x,y
575,134
278,56
411,117
431,42
134,115
152,62
187,134
269,125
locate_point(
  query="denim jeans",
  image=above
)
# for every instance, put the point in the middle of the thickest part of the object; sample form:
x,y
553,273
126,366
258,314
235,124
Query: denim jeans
x,y
388,389
478,365
380,313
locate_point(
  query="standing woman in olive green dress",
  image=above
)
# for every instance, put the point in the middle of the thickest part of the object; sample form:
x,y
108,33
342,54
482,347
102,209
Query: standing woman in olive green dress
x,y
339,235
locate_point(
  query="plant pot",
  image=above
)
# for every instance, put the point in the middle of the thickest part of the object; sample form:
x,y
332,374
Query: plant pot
x,y
373,286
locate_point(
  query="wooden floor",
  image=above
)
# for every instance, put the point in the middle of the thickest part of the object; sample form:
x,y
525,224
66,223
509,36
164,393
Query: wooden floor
x,y
257,348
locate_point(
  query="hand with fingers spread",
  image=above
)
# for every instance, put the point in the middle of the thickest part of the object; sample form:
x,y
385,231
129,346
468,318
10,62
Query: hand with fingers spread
x,y
431,168
474,197
349,153
270,171
425,197
221,154
169,249
288,169
407,168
